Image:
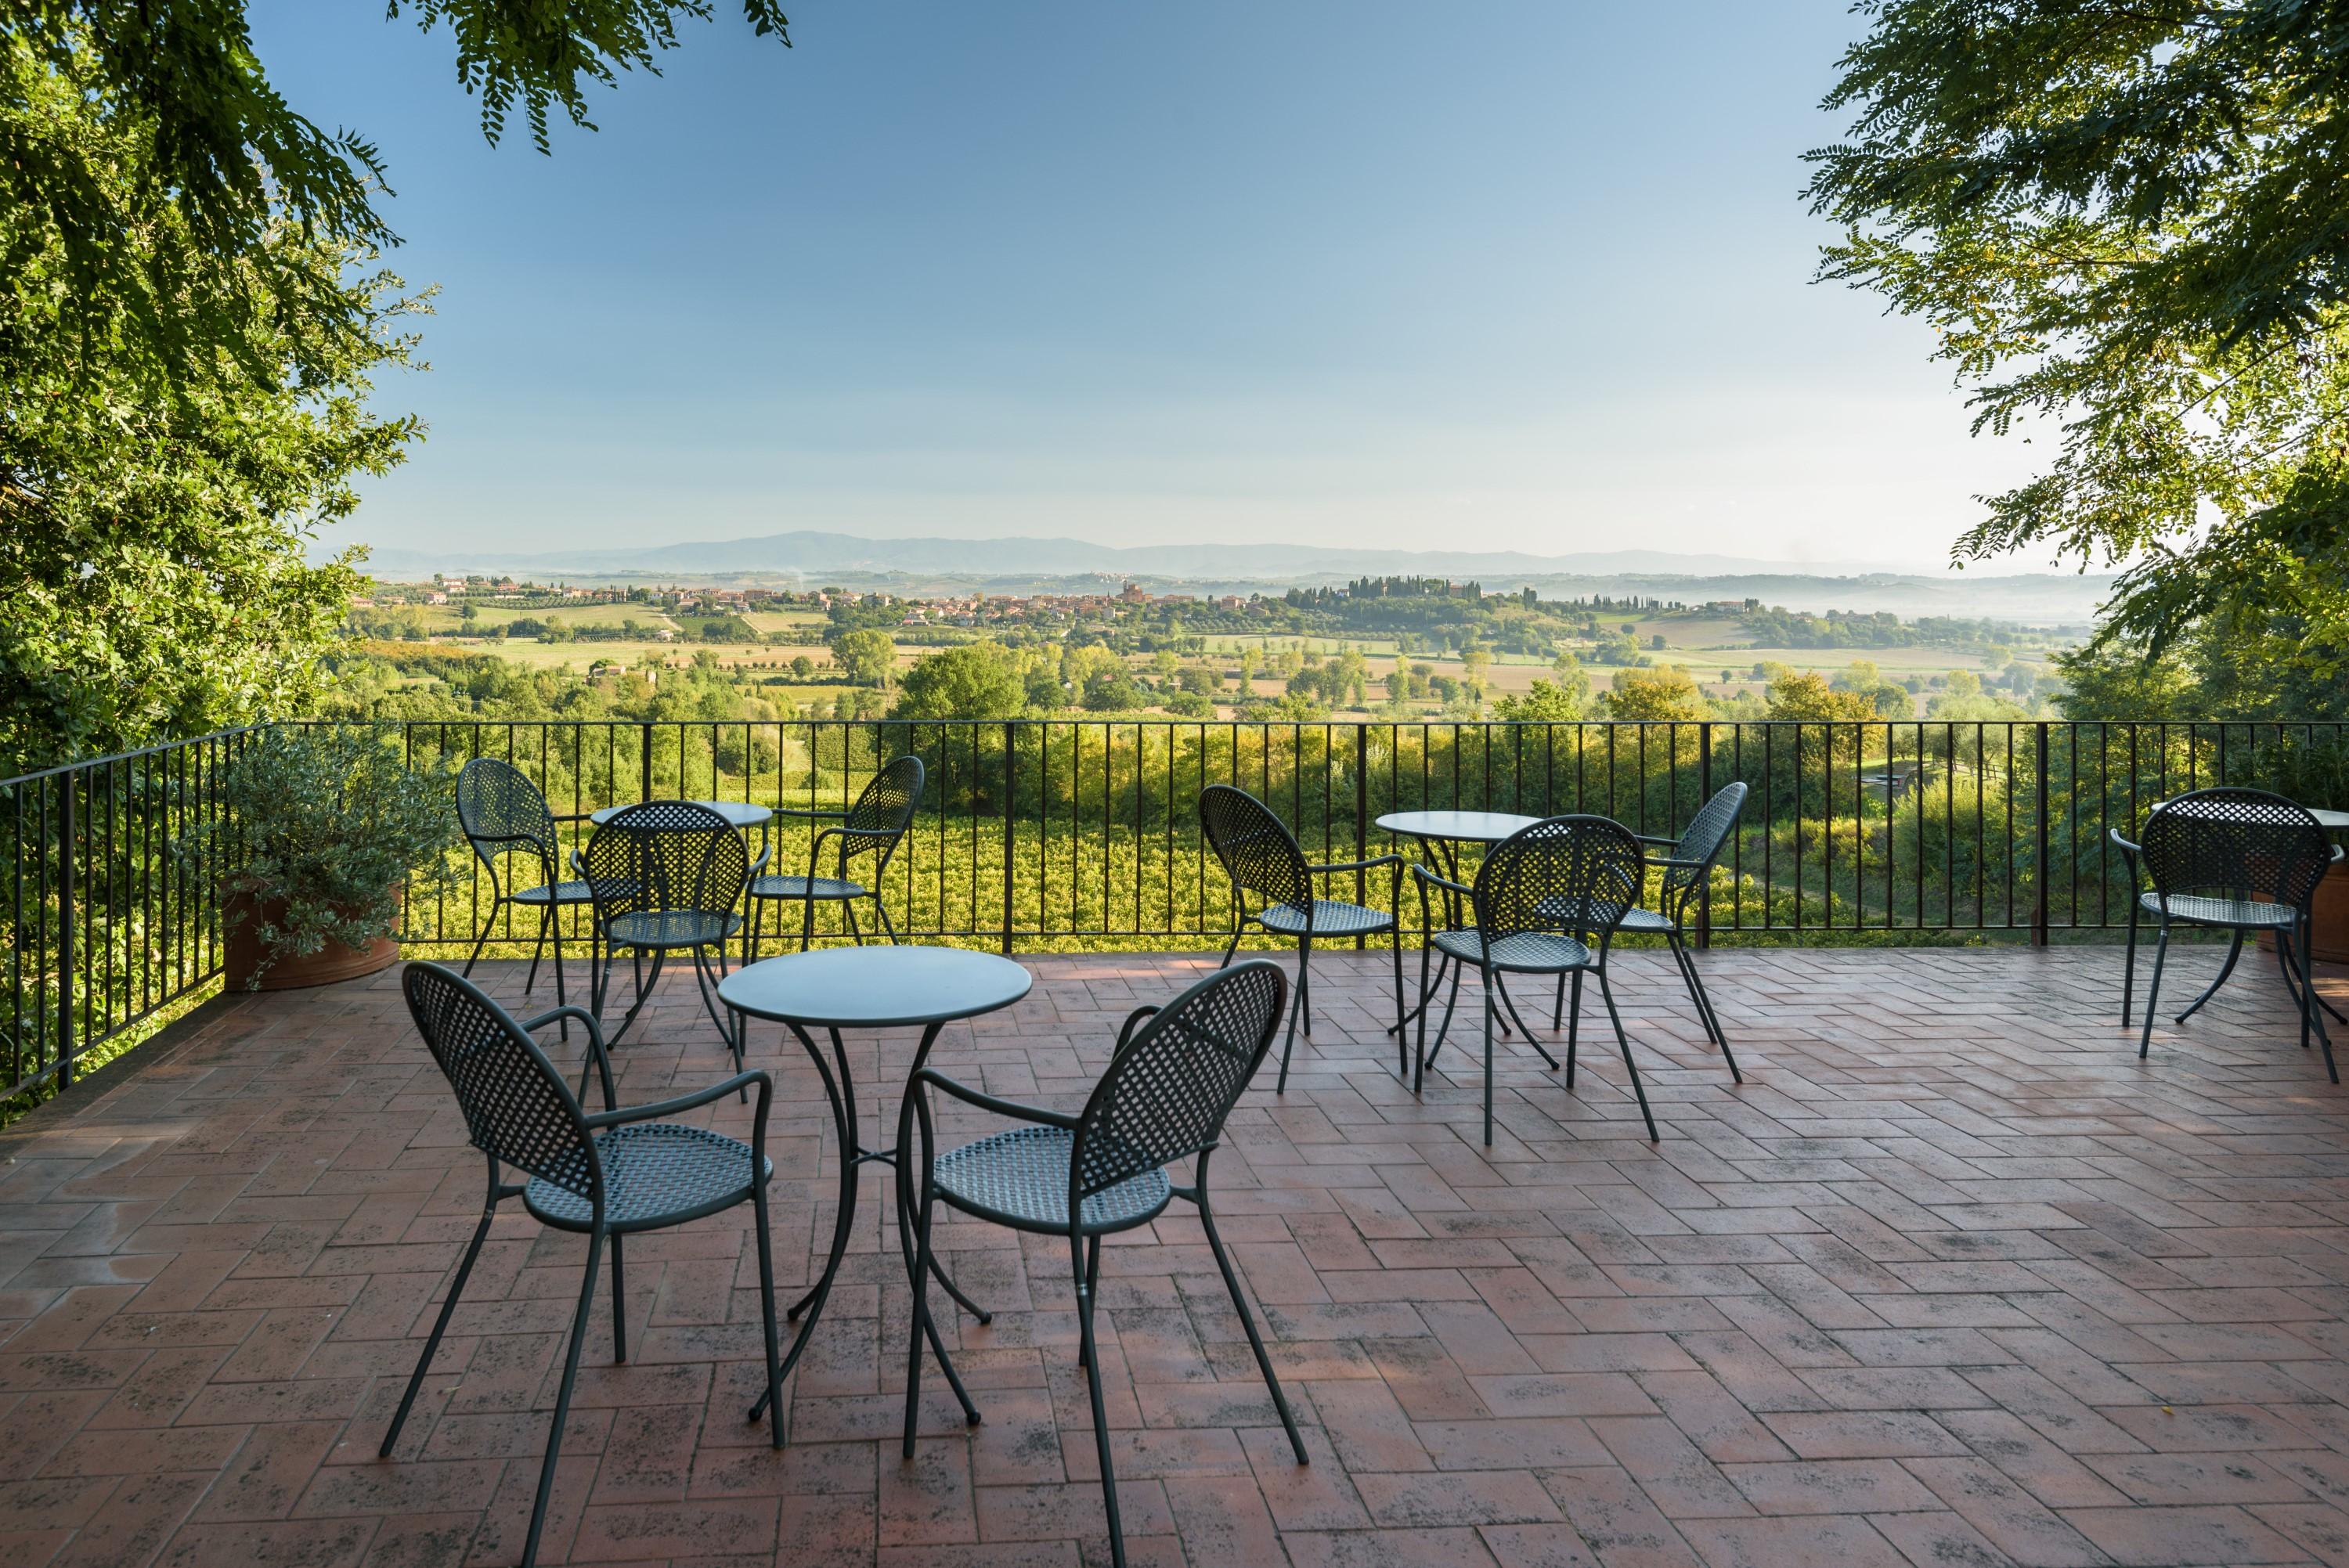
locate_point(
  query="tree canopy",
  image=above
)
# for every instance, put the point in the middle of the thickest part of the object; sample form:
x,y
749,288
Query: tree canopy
x,y
977,680
190,318
236,164
152,562
2129,226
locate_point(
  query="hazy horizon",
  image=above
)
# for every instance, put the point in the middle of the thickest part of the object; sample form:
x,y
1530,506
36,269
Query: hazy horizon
x,y
1525,279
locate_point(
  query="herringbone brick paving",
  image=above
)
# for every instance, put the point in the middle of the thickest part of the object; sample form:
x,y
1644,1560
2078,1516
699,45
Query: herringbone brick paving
x,y
1954,1278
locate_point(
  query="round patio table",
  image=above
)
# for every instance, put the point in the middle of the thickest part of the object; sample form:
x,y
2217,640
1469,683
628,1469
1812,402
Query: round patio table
x,y
2331,821
1440,835
837,989
739,814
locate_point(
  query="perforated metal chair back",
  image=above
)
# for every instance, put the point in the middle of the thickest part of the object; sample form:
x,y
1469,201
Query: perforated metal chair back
x,y
2235,844
501,810
517,1108
666,857
884,810
1258,850
1580,872
1168,1092
1700,840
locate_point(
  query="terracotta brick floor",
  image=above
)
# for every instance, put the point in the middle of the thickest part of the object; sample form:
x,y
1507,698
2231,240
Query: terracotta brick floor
x,y
1953,1279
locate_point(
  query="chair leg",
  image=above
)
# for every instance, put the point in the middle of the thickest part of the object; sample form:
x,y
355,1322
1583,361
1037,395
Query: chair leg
x,y
1419,1048
767,1310
1687,966
707,986
1451,998
1402,1062
1624,1040
1295,1006
1087,1348
1557,1009
441,1323
2308,1013
488,924
1305,986
1234,945
1510,1004
2128,962
2234,951
538,948
807,922
848,908
881,912
2292,981
2302,1000
1489,989
643,989
1711,1014
1573,1028
561,1000
619,1307
2153,988
562,1402
1247,1321
1093,1281
1705,1014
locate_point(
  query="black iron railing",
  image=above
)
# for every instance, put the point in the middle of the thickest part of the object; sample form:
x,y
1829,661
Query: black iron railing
x,y
1082,833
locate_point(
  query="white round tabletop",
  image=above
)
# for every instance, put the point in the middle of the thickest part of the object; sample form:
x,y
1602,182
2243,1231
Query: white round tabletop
x,y
878,988
2331,821
1467,827
737,813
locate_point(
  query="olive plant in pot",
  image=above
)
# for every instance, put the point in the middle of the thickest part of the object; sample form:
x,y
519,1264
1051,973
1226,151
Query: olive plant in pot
x,y
324,828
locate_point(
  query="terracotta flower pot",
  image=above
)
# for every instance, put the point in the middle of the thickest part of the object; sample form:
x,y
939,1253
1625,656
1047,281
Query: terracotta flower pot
x,y
242,916
2328,918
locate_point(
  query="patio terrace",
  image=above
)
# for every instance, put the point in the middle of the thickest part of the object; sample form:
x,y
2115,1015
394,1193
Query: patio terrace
x,y
1953,1279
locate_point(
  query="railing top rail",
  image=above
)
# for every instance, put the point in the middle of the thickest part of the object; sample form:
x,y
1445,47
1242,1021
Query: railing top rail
x,y
82,765
1171,722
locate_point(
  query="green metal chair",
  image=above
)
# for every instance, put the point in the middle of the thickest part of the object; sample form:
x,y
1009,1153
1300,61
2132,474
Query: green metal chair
x,y
606,1175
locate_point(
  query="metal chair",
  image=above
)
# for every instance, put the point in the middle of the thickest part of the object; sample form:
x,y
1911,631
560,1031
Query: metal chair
x,y
605,1175
503,813
1176,1074
1547,901
665,876
1688,872
2242,860
1261,856
875,824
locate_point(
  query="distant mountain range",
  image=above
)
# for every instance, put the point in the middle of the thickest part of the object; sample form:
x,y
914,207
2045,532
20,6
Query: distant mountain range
x,y
939,564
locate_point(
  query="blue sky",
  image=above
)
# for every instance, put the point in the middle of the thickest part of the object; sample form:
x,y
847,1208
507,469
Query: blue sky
x,y
1512,274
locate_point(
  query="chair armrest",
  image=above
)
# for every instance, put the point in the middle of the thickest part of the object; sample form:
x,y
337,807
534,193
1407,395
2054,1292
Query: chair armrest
x,y
579,863
600,1058
1376,861
1677,865
661,1108
1125,1031
1651,839
1013,1108
766,853
573,816
1426,877
809,811
2337,852
2126,847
